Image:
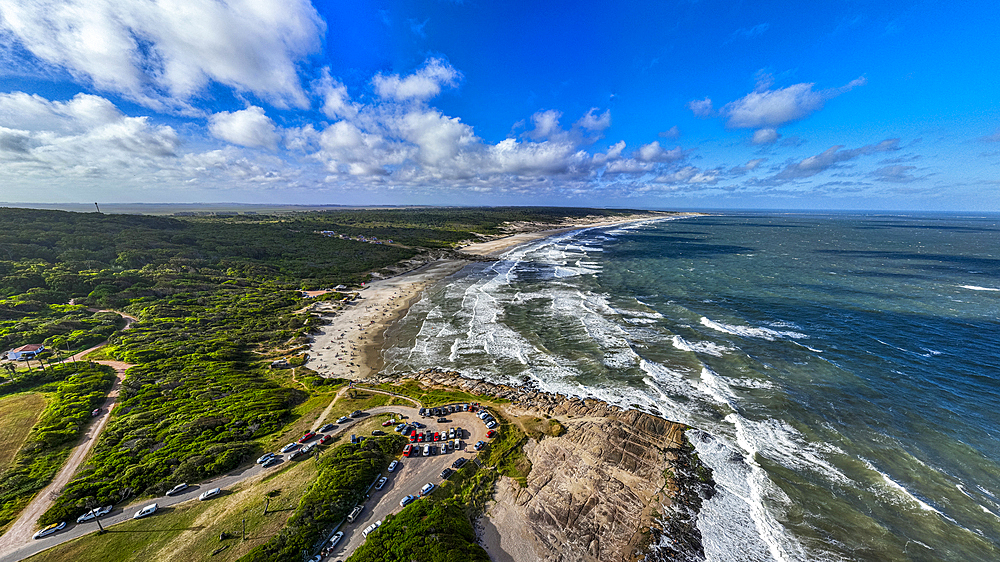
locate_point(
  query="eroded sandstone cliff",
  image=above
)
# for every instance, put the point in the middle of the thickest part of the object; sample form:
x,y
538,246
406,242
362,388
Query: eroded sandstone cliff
x,y
605,484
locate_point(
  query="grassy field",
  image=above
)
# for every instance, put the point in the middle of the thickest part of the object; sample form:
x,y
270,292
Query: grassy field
x,y
191,530
18,414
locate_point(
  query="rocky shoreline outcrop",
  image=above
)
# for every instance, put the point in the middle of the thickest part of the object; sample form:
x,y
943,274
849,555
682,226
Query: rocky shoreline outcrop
x,y
605,483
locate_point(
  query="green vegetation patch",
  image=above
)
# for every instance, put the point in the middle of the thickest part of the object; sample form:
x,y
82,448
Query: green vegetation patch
x,y
77,389
431,397
426,530
345,474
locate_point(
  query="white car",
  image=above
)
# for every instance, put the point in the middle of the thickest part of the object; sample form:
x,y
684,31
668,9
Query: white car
x,y
177,489
369,529
428,488
381,483
393,465
491,424
210,494
148,510
336,539
289,447
94,514
407,500
50,529
264,458
343,419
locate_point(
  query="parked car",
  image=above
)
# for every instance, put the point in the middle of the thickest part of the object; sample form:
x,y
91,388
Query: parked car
x,y
418,425
491,424
459,462
265,457
371,528
446,473
413,438
336,539
325,439
428,488
480,444
327,427
421,411
343,419
289,447
407,450
177,489
437,436
50,529
442,420
387,423
356,414
309,435
210,494
491,434
407,500
378,433
451,433
146,511
399,428
427,450
271,461
381,482
95,413
394,465
94,513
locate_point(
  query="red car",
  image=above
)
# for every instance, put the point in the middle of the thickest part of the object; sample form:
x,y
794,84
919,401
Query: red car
x,y
96,412
309,435
407,450
413,438
491,434
437,436
323,440
387,423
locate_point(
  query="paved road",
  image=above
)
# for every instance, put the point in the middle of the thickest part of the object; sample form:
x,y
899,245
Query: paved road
x,y
414,473
15,551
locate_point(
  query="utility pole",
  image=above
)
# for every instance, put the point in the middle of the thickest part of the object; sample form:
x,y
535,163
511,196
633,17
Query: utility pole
x,y
267,502
98,207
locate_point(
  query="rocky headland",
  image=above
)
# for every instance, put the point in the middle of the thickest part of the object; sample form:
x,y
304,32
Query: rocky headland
x,y
605,483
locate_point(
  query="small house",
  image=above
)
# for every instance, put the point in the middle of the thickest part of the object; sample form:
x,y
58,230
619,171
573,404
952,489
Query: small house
x,y
25,352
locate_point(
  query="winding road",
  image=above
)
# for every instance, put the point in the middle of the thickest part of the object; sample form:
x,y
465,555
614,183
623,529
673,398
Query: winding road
x,y
21,531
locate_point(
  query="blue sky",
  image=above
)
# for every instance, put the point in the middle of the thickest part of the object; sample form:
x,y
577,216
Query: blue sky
x,y
690,104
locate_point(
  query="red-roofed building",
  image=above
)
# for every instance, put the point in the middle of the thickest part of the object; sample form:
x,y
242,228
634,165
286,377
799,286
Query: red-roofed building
x,y
25,352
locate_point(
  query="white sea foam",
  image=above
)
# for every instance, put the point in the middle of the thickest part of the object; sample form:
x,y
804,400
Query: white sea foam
x,y
899,489
750,332
707,347
975,288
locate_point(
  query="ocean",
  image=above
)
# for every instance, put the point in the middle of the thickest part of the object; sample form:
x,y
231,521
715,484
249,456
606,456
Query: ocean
x,y
841,372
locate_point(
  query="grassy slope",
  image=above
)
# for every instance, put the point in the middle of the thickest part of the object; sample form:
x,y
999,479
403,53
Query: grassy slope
x,y
18,414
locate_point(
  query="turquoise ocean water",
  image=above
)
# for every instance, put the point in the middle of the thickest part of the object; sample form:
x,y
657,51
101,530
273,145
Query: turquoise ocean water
x,y
842,371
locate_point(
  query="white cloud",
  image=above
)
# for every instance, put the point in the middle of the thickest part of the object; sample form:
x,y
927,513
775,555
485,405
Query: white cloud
x,y
671,133
653,152
895,174
829,158
765,136
248,127
593,122
750,166
701,108
336,101
163,53
546,124
770,109
422,85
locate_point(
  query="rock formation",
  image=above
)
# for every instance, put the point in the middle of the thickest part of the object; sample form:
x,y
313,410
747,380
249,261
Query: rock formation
x,y
605,484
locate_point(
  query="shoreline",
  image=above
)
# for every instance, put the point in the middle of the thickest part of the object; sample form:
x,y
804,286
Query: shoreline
x,y
349,345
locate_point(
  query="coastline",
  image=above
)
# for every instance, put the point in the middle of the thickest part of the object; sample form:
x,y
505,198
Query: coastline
x,y
348,345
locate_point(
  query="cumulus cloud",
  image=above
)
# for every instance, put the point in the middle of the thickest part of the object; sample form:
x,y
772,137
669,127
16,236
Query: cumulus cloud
x,y
768,109
546,124
84,136
249,127
653,152
422,85
164,53
336,102
765,136
689,175
701,108
829,158
593,122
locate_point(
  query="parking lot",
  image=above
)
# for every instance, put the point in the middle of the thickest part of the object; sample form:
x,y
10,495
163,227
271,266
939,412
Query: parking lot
x,y
413,473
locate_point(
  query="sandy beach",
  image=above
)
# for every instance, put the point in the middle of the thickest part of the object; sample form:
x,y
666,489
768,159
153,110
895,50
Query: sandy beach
x,y
348,346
